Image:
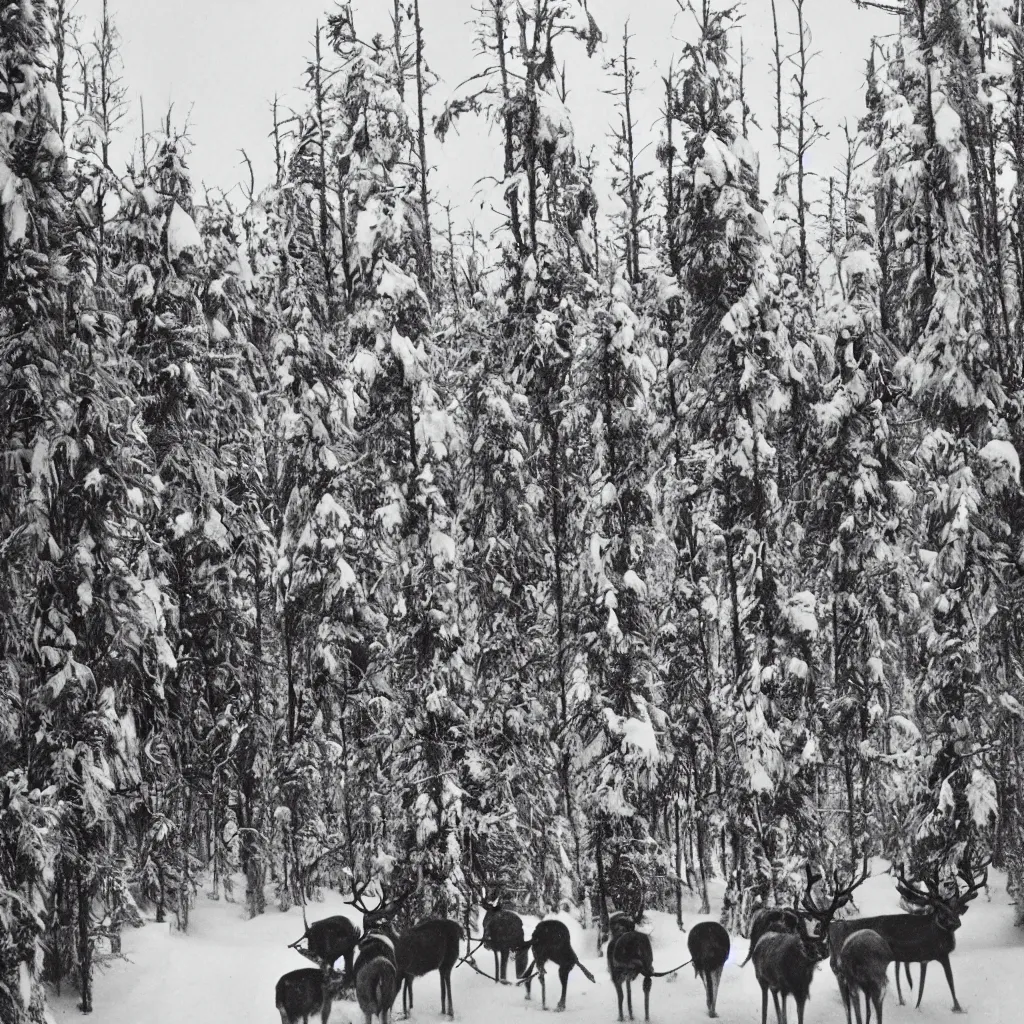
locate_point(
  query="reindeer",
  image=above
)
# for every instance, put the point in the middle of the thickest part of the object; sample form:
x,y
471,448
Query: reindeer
x,y
550,941
862,965
378,919
329,939
784,962
430,945
301,993
920,937
773,919
376,976
708,943
629,955
503,934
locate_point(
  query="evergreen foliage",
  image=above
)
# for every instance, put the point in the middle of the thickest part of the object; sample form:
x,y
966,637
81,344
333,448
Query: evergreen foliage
x,y
629,548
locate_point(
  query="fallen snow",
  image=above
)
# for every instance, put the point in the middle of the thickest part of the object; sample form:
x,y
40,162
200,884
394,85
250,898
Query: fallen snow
x,y
225,970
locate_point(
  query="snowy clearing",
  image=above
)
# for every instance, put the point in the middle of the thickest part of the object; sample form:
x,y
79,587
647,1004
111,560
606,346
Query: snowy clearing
x,y
226,968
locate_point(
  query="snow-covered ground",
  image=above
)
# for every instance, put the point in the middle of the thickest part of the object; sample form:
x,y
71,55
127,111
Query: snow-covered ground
x,y
225,970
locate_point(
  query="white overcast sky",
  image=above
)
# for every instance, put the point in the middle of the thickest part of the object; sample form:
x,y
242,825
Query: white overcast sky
x,y
223,61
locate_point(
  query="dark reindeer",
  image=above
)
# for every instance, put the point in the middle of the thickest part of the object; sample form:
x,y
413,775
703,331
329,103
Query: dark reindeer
x,y
376,975
430,945
298,994
862,965
378,919
629,955
328,940
503,934
708,943
920,937
773,919
550,941
784,962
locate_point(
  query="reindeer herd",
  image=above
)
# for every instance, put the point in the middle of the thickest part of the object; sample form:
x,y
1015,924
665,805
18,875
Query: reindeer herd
x,y
786,946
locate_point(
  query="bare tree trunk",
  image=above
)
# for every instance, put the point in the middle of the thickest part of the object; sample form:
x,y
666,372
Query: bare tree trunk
x,y
427,268
84,937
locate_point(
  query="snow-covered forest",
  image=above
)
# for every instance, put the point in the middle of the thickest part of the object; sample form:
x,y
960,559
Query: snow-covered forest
x,y
642,551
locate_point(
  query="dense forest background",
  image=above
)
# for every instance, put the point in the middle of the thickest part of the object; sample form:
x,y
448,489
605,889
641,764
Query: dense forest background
x,y
643,542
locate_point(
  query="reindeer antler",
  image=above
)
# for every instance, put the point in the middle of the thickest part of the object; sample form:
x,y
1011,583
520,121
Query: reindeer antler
x,y
927,897
841,893
357,897
969,873
392,906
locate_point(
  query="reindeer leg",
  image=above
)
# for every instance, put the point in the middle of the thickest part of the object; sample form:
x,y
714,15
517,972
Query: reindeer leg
x,y
855,995
448,986
844,993
957,1008
780,1008
543,988
647,998
563,976
920,986
629,995
764,1004
618,992
714,979
899,991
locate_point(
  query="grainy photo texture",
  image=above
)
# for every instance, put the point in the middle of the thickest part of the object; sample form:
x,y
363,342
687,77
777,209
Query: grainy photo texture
x,y
511,506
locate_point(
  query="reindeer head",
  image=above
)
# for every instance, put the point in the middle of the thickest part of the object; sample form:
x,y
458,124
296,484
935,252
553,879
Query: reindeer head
x,y
495,903
975,882
378,918
618,922
822,913
947,911
335,983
